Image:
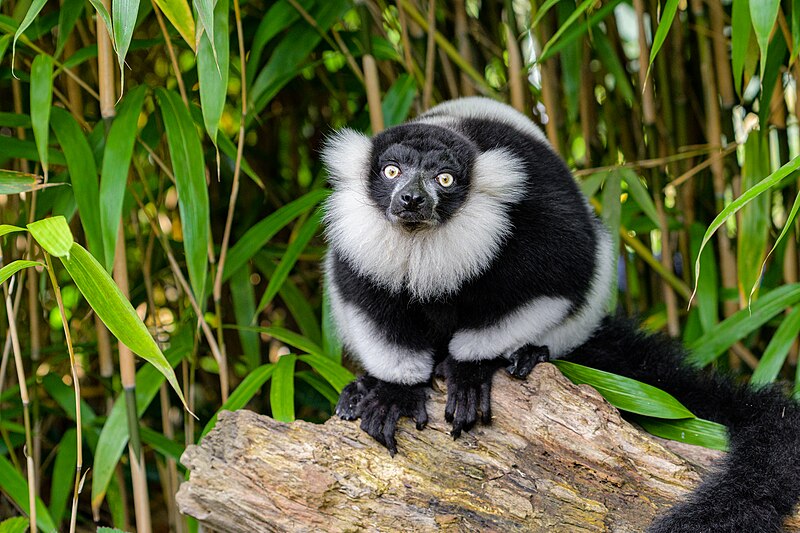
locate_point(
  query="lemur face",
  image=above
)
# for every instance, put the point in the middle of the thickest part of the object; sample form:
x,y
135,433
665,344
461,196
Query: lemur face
x,y
419,174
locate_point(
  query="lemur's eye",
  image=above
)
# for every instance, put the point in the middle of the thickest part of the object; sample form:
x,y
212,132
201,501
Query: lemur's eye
x,y
445,179
391,171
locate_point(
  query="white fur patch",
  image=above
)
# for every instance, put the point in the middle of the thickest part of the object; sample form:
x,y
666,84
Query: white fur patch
x,y
579,327
486,108
429,262
380,357
526,325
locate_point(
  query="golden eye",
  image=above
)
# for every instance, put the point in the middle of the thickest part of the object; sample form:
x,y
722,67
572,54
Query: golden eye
x,y
445,179
391,171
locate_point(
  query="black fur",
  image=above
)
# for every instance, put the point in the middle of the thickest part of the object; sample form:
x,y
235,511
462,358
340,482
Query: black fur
x,y
758,483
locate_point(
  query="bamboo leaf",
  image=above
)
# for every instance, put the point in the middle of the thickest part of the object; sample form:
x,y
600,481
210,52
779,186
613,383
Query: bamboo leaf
x,y
83,176
103,13
331,343
289,259
542,11
778,348
15,487
41,100
17,524
53,234
754,220
626,393
741,30
612,216
161,444
179,13
205,20
212,70
667,16
11,148
243,393
398,99
63,475
123,13
259,234
67,17
190,181
337,375
244,307
284,335
640,195
707,281
763,14
320,385
116,162
115,311
5,229
281,393
737,326
12,268
578,30
114,435
608,57
582,7
773,180
691,431
33,11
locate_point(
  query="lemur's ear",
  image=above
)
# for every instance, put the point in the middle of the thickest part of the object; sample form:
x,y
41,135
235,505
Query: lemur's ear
x,y
346,155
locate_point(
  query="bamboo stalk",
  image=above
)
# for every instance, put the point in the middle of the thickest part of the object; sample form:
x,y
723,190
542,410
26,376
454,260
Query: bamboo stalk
x,y
373,93
73,363
430,56
549,88
516,84
464,46
23,393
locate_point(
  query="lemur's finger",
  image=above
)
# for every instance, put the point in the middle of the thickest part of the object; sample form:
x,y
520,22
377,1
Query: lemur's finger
x,y
450,407
471,414
389,428
421,415
485,402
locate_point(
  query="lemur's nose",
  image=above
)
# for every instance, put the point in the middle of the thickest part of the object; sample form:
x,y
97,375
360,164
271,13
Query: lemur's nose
x,y
412,200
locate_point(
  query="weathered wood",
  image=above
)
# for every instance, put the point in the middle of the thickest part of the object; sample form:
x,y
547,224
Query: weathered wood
x,y
557,458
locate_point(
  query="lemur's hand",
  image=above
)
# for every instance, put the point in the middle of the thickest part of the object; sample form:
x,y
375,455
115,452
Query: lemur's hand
x,y
522,360
469,389
380,405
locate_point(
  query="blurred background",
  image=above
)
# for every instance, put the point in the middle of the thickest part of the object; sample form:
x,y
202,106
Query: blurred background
x,y
182,146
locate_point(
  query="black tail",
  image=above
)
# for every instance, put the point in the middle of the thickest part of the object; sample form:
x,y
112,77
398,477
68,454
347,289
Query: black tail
x,y
758,483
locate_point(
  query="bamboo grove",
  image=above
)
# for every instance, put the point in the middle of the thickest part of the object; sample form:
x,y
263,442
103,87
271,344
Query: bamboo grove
x,y
160,186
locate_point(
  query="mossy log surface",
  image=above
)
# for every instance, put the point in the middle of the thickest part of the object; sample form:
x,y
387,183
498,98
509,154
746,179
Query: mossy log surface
x,y
557,457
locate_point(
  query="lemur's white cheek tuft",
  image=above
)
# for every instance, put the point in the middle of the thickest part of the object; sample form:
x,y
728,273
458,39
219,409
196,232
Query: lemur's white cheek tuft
x,y
346,156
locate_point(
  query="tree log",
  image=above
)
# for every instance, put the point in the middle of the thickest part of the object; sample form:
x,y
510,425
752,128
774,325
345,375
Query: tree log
x,y
557,457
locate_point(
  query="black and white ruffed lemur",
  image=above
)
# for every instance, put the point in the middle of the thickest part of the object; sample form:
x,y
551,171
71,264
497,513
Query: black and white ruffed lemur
x,y
460,242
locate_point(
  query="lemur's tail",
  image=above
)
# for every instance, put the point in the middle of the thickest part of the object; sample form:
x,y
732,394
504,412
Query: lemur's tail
x,y
758,483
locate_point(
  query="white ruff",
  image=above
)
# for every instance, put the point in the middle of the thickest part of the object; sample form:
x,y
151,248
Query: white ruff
x,y
379,356
525,325
429,262
486,108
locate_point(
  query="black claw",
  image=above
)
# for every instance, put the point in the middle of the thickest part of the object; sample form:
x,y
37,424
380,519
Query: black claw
x,y
468,392
522,360
380,405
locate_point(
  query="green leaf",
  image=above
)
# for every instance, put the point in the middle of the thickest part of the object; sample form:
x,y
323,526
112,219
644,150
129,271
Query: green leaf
x,y
116,312
741,30
64,396
707,282
15,487
763,14
12,268
398,99
542,11
626,393
83,176
640,195
667,15
737,326
190,181
582,7
123,13
17,524
114,435
68,15
63,475
296,247
244,307
281,16
320,385
259,234
773,180
331,343
778,348
771,66
41,100
691,431
755,217
212,70
53,234
333,372
11,147
179,14
116,163
161,444
243,393
103,12
33,11
205,19
5,229
281,393
284,335
576,31
612,215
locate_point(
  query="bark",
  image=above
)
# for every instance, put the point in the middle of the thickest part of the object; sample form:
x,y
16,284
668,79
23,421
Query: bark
x,y
556,458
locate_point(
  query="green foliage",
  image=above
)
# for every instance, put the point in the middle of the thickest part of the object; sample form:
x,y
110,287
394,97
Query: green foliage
x,y
146,182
